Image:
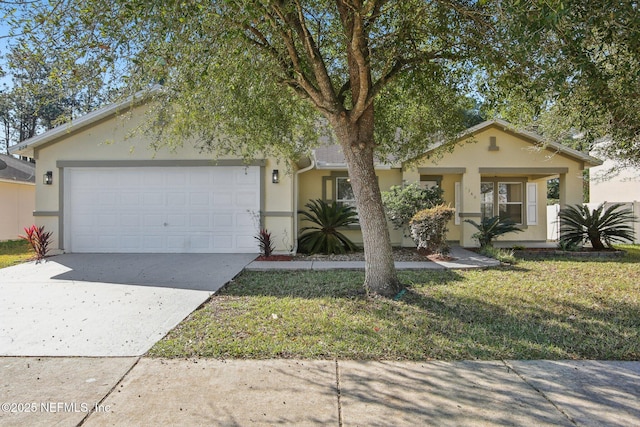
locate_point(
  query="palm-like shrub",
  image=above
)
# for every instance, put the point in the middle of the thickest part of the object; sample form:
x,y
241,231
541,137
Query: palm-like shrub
x,y
601,226
39,240
265,243
490,228
323,236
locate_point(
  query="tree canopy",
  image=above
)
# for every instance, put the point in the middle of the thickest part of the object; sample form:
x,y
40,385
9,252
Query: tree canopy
x,y
231,67
42,87
579,78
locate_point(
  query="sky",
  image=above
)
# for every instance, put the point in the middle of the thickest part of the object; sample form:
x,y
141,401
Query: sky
x,y
4,32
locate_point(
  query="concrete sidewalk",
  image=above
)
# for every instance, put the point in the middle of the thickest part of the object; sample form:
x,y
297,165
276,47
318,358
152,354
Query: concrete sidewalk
x,y
462,259
206,392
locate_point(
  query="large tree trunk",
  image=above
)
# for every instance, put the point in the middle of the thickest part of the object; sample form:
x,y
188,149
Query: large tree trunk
x,y
357,144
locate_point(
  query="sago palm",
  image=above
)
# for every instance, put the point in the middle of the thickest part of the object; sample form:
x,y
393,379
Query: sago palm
x,y
323,236
490,228
601,226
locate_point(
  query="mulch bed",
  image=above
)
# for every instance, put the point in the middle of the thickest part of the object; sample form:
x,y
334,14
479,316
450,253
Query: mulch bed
x,y
275,258
399,254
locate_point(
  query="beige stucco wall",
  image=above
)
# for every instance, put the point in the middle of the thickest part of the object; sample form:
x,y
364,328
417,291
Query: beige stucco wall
x,y
17,203
113,140
310,187
514,158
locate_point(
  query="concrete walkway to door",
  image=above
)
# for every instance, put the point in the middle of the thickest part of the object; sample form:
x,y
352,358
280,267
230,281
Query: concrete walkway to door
x,y
105,304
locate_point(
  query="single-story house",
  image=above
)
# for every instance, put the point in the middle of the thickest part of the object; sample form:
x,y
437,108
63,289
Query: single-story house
x,y
17,196
109,192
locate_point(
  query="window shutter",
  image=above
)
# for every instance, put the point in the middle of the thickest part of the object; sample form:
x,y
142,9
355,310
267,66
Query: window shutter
x,y
457,203
532,203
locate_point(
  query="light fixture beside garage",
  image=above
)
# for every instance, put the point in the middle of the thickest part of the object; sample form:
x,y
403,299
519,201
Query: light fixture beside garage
x,y
275,176
48,178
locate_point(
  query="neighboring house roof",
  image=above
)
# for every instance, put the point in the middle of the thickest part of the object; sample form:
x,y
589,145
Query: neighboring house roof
x,y
330,156
26,147
16,170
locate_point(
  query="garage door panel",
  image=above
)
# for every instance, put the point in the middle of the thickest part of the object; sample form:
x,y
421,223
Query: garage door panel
x,y
153,221
222,241
154,198
245,242
199,198
129,220
246,199
174,178
245,221
201,178
199,222
248,176
106,220
222,198
182,209
131,243
176,199
130,199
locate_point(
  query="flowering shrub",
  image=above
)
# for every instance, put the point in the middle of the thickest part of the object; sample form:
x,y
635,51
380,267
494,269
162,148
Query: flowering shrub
x,y
402,203
429,228
38,239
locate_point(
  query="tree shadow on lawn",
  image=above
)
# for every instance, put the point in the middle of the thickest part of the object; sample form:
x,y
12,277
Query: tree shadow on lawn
x,y
631,256
441,321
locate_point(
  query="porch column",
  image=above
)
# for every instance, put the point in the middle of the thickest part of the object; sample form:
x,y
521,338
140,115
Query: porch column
x,y
571,188
470,206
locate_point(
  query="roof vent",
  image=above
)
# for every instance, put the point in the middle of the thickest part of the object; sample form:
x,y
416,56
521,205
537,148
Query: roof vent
x,y
493,145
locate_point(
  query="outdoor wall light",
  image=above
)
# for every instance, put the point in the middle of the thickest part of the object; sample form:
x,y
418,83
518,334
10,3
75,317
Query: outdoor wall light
x,y
275,176
48,178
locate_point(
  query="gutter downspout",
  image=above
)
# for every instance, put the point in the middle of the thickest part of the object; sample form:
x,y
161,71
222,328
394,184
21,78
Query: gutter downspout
x,y
295,200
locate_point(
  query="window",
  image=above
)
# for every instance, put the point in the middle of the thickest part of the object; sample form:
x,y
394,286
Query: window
x,y
430,181
486,199
344,192
508,202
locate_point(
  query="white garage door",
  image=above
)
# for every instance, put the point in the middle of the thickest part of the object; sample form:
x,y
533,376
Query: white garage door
x,y
168,209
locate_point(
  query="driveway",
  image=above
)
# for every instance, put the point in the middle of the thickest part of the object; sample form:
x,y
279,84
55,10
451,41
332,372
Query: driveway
x,y
105,304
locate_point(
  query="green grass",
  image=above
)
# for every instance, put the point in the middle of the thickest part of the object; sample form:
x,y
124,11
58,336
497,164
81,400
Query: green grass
x,y
14,252
549,309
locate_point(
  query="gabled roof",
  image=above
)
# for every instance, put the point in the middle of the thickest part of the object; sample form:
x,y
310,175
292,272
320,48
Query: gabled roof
x,y
26,147
532,137
16,170
331,157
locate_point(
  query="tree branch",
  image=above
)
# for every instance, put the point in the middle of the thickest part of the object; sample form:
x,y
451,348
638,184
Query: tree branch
x,y
298,23
263,44
357,55
312,92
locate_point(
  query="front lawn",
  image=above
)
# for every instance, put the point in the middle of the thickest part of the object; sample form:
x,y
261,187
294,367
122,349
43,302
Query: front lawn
x,y
14,252
550,309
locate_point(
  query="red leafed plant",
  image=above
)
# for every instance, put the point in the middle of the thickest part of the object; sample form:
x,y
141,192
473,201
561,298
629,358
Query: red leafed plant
x,y
265,242
38,239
